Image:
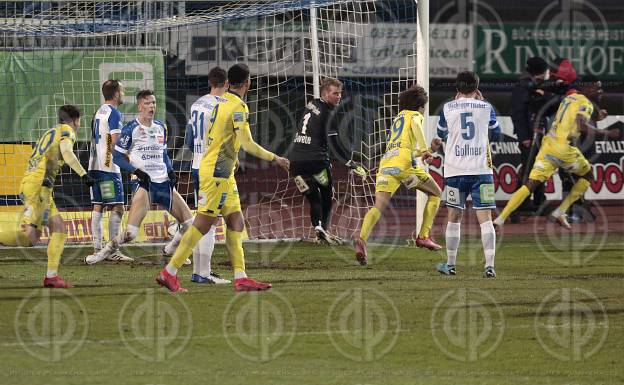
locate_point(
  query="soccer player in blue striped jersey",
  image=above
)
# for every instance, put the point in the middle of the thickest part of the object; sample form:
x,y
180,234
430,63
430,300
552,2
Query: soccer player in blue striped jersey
x,y
142,150
108,189
467,124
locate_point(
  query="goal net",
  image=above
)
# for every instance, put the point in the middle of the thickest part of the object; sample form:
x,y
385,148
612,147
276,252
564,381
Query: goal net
x,y
56,53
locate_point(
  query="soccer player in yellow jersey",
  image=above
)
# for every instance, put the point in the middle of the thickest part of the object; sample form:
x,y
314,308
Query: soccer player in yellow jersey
x,y
228,131
52,151
405,142
558,150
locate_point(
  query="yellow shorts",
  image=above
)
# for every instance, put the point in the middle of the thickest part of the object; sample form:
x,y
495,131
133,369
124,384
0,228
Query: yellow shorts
x,y
38,205
217,196
389,178
553,155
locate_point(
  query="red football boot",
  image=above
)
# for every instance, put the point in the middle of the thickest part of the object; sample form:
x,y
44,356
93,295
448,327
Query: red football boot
x,y
248,284
56,282
428,243
361,254
170,282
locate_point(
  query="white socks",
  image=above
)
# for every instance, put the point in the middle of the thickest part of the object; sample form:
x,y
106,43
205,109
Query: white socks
x,y
452,241
51,273
202,254
488,238
114,221
173,244
96,229
240,274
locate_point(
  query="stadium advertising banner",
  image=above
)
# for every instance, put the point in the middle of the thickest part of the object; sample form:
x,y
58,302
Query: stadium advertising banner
x,y
607,158
38,82
374,50
592,48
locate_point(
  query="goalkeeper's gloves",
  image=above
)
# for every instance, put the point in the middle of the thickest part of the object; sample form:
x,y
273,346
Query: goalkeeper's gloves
x,y
356,168
88,180
141,176
173,178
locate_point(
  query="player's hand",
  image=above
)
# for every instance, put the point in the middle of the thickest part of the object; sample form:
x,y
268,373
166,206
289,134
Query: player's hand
x,y
478,95
282,162
601,115
173,178
356,168
426,157
613,133
411,181
88,180
526,143
142,176
436,143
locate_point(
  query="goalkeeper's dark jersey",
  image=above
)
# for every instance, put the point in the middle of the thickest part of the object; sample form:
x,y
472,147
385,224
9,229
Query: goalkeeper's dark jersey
x,y
311,141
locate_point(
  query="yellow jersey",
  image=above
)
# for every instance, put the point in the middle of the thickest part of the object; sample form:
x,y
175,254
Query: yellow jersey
x,y
46,160
564,128
405,140
229,115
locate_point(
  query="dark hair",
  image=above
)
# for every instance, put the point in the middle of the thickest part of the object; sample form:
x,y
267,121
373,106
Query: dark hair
x,y
238,74
536,66
144,94
467,82
68,113
413,98
328,82
217,77
110,88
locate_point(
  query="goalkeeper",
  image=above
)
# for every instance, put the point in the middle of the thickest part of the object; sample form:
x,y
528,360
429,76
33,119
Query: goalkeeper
x,y
405,142
309,157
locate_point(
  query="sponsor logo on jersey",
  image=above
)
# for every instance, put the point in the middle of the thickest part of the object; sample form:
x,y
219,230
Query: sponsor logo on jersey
x,y
390,170
303,139
239,117
124,141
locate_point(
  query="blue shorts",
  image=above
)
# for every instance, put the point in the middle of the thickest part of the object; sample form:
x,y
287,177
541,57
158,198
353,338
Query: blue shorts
x,y
108,189
159,193
480,188
195,178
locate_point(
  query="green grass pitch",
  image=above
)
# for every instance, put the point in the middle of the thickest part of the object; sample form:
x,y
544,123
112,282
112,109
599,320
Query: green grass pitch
x,y
554,315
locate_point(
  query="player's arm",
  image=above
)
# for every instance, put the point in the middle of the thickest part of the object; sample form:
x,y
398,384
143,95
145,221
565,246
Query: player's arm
x,y
353,158
420,146
66,146
188,137
114,124
494,127
442,128
583,118
243,134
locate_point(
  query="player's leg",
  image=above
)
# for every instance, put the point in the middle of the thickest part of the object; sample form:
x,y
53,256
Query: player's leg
x,y
382,200
577,164
139,206
542,169
452,238
202,256
96,226
483,201
98,211
213,193
114,200
488,240
429,186
56,225
455,199
35,200
181,212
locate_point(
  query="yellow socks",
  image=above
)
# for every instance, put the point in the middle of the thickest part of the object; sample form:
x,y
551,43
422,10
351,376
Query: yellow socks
x,y
576,192
370,220
515,201
14,238
234,245
55,249
431,208
190,238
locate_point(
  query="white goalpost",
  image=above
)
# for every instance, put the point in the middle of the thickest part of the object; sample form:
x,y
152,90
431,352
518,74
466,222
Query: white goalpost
x,y
57,53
